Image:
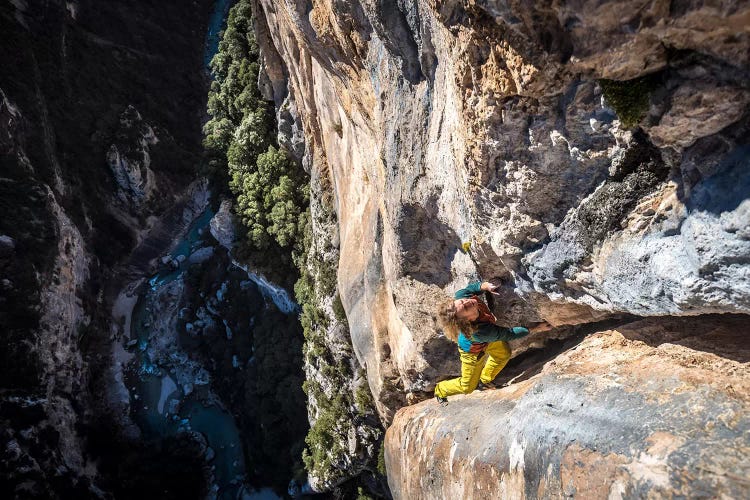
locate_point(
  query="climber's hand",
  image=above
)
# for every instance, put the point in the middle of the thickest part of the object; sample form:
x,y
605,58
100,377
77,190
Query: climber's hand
x,y
490,287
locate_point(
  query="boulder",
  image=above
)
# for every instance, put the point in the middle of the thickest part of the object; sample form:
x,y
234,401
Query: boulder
x,y
222,225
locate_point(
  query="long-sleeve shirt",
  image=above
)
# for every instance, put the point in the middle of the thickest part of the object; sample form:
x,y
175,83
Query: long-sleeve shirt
x,y
487,330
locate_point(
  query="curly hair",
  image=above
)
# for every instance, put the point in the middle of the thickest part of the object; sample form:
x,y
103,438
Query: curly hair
x,y
452,325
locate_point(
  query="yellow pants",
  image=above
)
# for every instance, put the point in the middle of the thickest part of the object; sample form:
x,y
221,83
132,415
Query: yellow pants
x,y
476,367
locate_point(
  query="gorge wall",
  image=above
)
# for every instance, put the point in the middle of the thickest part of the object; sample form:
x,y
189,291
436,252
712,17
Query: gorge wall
x,y
595,157
100,112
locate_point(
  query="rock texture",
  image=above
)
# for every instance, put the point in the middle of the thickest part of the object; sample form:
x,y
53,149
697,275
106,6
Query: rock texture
x,y
653,408
129,160
444,123
439,124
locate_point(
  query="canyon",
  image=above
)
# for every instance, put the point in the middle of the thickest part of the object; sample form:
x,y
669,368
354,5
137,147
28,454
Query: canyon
x,y
590,158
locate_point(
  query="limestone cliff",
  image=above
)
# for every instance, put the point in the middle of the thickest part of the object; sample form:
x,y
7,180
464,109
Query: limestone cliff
x,y
594,155
647,410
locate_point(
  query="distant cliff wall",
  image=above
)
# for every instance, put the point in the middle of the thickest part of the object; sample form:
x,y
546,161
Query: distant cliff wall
x,y
100,112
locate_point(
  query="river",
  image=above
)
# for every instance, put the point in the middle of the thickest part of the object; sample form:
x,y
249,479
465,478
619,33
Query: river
x,y
170,392
216,24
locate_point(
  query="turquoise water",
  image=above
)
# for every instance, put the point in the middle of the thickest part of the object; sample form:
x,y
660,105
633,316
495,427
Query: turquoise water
x,y
215,423
219,428
216,24
183,249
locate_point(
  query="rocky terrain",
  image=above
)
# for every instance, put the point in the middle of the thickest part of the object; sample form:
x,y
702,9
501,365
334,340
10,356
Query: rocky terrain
x,y
590,157
93,152
649,409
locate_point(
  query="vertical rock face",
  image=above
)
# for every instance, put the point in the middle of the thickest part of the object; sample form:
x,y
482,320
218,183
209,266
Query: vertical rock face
x,y
129,160
495,123
100,107
441,123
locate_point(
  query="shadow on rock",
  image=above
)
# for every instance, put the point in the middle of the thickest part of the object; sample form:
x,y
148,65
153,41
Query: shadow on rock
x,y
531,361
724,335
721,334
428,245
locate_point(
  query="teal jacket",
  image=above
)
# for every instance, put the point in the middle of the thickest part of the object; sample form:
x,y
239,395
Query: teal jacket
x,y
487,332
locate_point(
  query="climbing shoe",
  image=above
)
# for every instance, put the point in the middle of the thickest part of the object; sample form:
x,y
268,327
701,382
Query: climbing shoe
x,y
486,386
442,401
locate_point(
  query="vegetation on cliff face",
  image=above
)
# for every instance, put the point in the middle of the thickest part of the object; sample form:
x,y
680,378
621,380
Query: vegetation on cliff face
x,y
271,190
325,448
336,386
630,98
272,200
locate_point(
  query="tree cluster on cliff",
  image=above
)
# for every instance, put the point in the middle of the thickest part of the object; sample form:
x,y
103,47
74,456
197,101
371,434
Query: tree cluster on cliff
x,y
271,190
272,199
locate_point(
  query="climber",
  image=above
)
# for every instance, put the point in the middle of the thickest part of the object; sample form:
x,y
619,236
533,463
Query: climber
x,y
482,345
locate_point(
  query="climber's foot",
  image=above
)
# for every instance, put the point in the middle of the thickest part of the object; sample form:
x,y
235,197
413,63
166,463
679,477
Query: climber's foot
x,y
442,401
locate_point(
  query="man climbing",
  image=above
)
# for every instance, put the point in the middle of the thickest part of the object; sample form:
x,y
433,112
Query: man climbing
x,y
482,345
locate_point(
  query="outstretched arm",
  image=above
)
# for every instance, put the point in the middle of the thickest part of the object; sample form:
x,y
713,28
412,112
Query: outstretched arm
x,y
491,333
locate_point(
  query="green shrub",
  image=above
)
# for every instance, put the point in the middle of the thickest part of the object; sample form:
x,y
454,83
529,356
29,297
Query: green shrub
x,y
304,289
361,495
338,309
312,318
271,199
327,278
630,99
363,398
313,389
381,459
325,440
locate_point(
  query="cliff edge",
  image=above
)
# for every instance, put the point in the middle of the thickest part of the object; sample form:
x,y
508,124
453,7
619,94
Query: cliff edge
x,y
643,410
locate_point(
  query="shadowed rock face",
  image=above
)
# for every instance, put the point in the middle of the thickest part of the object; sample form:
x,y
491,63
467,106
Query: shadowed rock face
x,y
646,409
100,109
